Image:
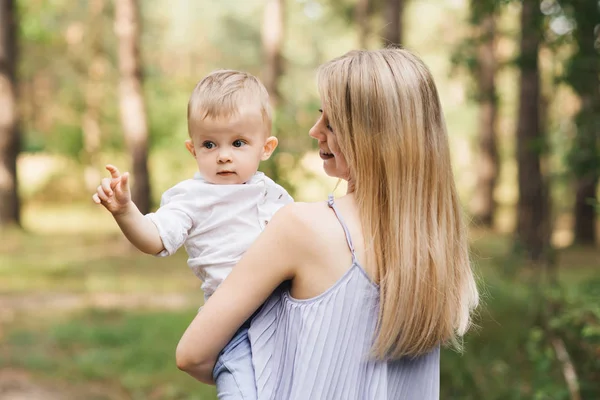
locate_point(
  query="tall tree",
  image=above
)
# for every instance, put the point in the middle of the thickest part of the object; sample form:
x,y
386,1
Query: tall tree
x,y
132,105
583,74
532,211
272,41
483,21
393,13
9,132
361,14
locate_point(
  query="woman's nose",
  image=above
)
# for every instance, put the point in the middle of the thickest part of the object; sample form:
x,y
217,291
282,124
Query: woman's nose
x,y
315,132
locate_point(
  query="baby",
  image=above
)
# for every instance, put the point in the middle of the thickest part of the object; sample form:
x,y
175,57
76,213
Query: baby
x,y
222,210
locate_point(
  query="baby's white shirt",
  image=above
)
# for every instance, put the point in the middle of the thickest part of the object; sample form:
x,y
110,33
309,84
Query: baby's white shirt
x,y
216,223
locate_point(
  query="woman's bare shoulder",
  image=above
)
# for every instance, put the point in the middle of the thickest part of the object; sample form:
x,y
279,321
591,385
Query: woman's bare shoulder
x,y
298,229
302,221
301,215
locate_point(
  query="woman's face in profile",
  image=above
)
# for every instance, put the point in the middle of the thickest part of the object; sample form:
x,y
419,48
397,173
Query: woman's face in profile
x,y
334,162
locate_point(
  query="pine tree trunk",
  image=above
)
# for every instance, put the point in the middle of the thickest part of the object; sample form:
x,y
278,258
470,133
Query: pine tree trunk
x,y
132,106
585,213
362,21
583,74
484,205
394,11
272,41
532,211
9,130
588,174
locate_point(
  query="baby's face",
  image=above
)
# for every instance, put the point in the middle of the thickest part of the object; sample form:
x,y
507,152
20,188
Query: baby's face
x,y
228,151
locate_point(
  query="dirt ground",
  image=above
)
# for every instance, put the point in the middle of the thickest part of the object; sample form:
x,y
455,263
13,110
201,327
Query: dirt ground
x,y
21,385
17,385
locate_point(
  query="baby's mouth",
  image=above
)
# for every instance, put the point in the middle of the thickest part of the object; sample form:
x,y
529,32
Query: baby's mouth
x,y
225,173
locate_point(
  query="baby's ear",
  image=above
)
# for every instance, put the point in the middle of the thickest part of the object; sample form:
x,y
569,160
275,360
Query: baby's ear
x,y
269,147
189,145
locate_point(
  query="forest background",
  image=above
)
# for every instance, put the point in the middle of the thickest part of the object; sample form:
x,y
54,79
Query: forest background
x,y
83,83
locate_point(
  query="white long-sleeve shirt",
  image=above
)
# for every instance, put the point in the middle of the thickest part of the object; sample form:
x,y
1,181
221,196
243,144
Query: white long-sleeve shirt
x,y
216,223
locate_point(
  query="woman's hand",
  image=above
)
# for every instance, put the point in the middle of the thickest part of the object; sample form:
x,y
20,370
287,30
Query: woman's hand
x,y
270,261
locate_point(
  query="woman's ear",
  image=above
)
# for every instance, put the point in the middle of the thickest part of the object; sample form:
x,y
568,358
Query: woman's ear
x,y
269,147
189,145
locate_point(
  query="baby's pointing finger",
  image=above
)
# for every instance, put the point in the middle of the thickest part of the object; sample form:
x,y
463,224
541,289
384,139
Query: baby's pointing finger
x,y
114,171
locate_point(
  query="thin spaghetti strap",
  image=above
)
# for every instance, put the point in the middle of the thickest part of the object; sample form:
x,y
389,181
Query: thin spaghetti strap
x,y
331,204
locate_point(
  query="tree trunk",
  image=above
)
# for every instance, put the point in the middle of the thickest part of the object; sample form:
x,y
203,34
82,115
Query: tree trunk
x,y
585,213
272,41
93,96
532,211
9,132
133,110
394,10
362,21
583,74
587,160
484,205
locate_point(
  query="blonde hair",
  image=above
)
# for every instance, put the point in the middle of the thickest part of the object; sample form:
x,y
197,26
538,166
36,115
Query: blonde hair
x,y
222,93
385,111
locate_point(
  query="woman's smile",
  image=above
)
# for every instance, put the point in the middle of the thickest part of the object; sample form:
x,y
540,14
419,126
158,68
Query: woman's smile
x,y
325,155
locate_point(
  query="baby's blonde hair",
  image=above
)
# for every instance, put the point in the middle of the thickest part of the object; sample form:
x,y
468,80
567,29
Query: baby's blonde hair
x,y
385,112
222,93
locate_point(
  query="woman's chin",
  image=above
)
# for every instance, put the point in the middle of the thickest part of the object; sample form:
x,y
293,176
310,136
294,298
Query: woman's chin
x,y
330,169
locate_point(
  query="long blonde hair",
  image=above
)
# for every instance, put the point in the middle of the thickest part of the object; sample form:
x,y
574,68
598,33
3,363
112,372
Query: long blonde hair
x,y
385,111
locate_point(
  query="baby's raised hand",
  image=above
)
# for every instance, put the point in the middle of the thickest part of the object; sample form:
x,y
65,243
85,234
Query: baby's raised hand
x,y
113,193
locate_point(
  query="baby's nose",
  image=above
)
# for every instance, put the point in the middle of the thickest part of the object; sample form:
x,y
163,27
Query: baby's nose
x,y
224,156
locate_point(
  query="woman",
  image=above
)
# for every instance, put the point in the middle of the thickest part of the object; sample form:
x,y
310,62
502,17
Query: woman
x,y
376,280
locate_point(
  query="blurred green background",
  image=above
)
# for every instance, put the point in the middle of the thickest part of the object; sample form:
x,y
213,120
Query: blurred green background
x,y
85,316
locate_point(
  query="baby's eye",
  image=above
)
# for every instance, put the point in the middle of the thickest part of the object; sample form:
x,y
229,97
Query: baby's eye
x,y
238,143
208,145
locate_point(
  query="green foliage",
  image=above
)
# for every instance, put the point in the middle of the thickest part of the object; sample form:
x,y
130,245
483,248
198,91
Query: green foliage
x,y
575,319
582,73
464,55
510,355
42,29
346,9
596,205
57,43
167,114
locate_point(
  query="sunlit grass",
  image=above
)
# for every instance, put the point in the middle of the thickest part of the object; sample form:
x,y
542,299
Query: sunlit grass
x,y
88,263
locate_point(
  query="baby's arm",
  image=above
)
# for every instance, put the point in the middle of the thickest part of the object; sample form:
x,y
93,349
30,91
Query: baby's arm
x,y
140,231
115,196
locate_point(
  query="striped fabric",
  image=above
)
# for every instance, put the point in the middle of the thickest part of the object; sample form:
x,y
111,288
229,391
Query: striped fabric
x,y
318,349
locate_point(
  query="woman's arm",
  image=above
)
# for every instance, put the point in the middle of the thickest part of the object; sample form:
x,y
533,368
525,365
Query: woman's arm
x,y
271,260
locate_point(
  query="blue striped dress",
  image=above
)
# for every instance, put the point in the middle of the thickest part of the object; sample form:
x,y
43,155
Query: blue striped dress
x,y
318,348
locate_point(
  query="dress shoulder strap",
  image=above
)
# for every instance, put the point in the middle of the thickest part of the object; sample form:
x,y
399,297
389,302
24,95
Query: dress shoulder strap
x,y
331,204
